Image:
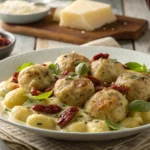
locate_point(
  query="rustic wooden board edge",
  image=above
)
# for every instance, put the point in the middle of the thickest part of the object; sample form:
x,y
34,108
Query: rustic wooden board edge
x,y
67,37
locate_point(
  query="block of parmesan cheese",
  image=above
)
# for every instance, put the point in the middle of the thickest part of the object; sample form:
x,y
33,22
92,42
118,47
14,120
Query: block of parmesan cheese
x,y
57,13
86,15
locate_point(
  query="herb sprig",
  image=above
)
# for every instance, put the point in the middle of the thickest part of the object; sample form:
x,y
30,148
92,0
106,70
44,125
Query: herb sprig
x,y
113,125
139,106
137,67
24,65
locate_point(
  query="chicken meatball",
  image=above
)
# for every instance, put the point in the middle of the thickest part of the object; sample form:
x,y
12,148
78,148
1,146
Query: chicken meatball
x,y
106,70
67,62
75,91
138,84
36,76
107,103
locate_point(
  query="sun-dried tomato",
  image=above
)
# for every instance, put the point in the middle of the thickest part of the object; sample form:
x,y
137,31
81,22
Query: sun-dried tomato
x,y
67,116
50,109
125,67
4,41
15,77
50,87
100,55
120,88
43,65
64,74
35,92
80,84
101,86
94,80
16,86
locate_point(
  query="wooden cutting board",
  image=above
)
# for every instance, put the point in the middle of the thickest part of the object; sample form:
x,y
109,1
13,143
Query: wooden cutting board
x,y
124,28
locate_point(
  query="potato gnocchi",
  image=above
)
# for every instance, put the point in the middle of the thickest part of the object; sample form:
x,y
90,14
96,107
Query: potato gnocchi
x,y
75,94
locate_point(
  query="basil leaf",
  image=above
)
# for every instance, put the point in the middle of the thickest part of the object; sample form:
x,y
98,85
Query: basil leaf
x,y
40,96
55,69
145,68
24,66
114,126
78,62
139,106
43,95
71,76
81,68
136,67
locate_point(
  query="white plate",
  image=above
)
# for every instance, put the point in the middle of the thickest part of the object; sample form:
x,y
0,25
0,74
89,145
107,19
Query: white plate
x,y
8,66
23,19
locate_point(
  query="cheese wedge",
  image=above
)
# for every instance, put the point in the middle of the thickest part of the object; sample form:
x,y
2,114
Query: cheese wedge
x,y
86,15
57,13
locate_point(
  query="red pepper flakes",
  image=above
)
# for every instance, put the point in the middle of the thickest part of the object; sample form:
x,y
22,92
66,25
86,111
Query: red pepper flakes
x,y
67,116
120,88
15,77
50,109
100,55
35,92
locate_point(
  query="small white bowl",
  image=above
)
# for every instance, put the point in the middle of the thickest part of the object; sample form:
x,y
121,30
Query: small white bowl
x,y
24,19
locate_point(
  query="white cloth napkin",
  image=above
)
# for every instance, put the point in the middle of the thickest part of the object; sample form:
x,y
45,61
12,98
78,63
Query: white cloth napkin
x,y
19,139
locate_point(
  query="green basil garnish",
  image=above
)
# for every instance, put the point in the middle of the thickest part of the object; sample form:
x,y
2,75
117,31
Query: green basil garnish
x,y
81,68
40,96
139,106
71,76
55,69
43,95
113,125
77,62
137,67
24,66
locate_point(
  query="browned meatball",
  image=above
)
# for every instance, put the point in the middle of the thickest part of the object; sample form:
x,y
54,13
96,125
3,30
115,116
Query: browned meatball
x,y
138,83
67,62
106,70
74,91
36,76
107,103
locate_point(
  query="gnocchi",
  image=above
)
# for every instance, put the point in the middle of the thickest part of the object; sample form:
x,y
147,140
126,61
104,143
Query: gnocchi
x,y
41,121
21,113
15,98
7,86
